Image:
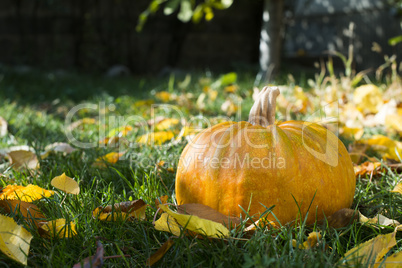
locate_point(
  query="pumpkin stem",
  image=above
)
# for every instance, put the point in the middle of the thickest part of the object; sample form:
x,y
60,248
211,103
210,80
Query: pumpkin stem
x,y
263,111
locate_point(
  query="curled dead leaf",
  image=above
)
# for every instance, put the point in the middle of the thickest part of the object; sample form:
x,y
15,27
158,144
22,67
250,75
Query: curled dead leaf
x,y
129,209
154,258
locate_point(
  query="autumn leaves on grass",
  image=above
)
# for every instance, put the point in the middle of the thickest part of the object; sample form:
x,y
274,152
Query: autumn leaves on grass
x,y
14,238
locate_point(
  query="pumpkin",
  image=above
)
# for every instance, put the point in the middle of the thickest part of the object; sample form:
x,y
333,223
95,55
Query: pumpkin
x,y
299,167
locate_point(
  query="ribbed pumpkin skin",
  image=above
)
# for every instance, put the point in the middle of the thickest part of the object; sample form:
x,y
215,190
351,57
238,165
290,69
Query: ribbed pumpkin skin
x,y
215,176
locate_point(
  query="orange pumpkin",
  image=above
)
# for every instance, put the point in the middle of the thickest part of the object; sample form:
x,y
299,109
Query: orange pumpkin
x,y
294,165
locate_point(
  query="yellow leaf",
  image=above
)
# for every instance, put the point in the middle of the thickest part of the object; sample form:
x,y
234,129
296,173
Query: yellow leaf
x,y
198,225
143,103
349,132
14,240
312,241
231,89
130,209
160,252
166,124
370,251
397,188
23,159
156,138
111,158
386,146
394,121
59,228
393,261
188,131
368,98
378,220
27,193
163,96
66,184
84,121
167,223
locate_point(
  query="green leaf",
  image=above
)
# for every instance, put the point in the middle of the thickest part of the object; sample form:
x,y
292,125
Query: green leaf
x,y
222,4
186,11
395,40
198,13
228,79
171,6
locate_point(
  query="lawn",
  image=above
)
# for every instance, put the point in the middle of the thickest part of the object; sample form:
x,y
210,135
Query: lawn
x,y
128,134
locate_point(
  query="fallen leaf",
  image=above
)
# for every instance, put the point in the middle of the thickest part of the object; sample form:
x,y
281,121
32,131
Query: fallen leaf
x,y
229,107
156,138
312,241
164,96
161,165
187,131
141,103
368,98
27,193
29,211
394,121
167,223
343,218
163,200
120,131
390,149
397,188
371,251
95,261
129,209
370,168
167,123
59,228
66,184
60,147
231,89
393,261
154,258
111,158
3,127
208,213
352,133
84,121
23,159
378,220
198,225
14,240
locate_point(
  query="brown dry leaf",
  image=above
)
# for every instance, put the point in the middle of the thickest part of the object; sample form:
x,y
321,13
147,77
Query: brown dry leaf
x,y
371,251
27,193
208,213
312,241
378,221
3,127
343,218
95,261
129,209
29,211
197,224
163,200
370,168
357,151
56,147
154,258
23,159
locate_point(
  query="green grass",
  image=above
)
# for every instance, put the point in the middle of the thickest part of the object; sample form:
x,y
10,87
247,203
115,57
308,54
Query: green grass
x,y
35,105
